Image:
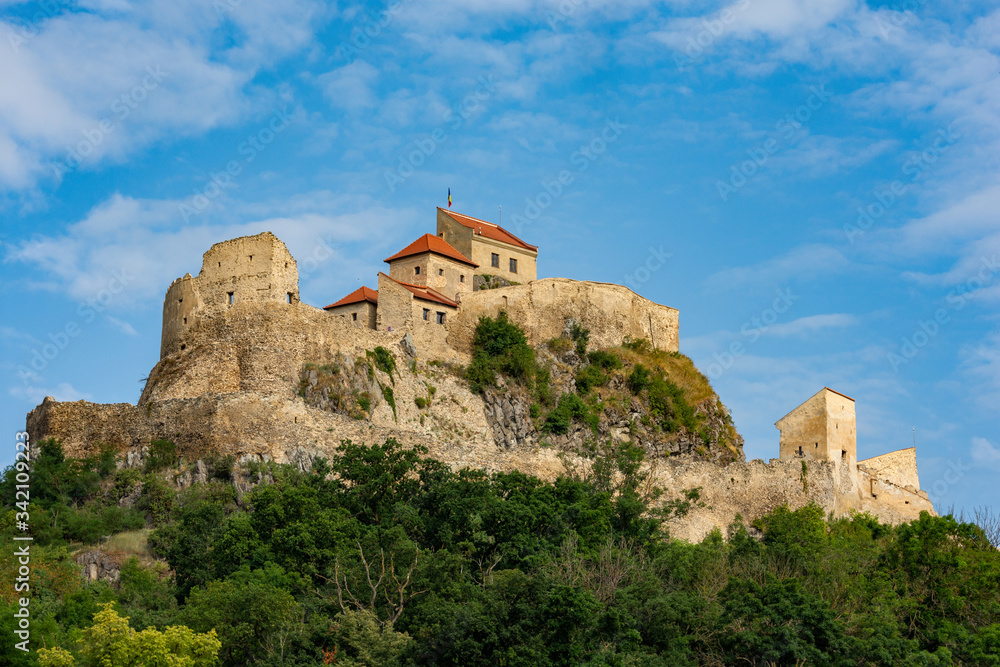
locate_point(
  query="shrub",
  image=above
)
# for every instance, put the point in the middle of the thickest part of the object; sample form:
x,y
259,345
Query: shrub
x,y
609,361
641,345
162,454
390,398
384,361
365,401
421,402
560,345
571,407
639,379
581,337
499,346
588,377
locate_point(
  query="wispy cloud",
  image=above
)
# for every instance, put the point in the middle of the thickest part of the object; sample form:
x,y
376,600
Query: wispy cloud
x,y
805,262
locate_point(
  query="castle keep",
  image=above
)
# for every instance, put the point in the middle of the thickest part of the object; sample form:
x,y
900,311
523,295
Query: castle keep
x,y
241,374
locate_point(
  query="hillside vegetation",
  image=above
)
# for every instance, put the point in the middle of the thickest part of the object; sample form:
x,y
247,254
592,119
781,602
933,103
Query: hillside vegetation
x,y
382,556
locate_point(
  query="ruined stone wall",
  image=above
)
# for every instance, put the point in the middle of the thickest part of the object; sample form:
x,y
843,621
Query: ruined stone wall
x,y
257,347
254,269
541,308
898,468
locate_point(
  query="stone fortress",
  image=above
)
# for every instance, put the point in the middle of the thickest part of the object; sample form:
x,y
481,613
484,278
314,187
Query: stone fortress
x,y
238,344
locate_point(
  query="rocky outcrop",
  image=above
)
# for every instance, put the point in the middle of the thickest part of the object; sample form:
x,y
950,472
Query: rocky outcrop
x,y
99,566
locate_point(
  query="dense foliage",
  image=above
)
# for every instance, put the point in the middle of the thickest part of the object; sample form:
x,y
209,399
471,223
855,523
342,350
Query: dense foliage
x,y
381,556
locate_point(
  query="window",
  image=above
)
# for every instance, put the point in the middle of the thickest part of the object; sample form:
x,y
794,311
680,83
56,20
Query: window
x,y
440,272
495,260
185,320
440,319
461,279
180,300
230,294
289,297
183,347
800,450
513,265
416,270
354,317
251,258
427,314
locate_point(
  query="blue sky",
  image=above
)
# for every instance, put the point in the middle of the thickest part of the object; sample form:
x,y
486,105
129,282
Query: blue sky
x,y
814,185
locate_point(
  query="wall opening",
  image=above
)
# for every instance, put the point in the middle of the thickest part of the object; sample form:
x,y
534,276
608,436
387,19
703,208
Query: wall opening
x,y
440,272
461,279
416,270
251,258
427,313
800,450
513,265
440,318
181,300
495,260
354,317
289,297
183,346
185,320
505,302
230,295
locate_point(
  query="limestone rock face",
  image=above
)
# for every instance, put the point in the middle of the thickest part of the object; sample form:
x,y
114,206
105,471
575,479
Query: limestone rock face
x,y
99,566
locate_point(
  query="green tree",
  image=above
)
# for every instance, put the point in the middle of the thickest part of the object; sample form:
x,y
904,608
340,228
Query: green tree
x,y
111,642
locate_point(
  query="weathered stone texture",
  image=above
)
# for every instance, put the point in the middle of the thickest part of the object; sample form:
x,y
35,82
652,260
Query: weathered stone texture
x,y
611,312
899,467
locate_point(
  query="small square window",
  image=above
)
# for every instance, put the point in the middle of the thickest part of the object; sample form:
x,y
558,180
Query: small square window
x,y
440,319
354,317
495,260
427,314
416,270
513,265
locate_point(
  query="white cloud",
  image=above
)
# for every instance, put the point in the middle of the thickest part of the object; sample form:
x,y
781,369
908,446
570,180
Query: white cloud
x,y
811,324
127,251
66,104
985,454
123,326
808,261
350,86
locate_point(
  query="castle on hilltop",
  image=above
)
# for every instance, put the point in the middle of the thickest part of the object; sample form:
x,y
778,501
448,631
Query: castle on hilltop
x,y
436,289
249,371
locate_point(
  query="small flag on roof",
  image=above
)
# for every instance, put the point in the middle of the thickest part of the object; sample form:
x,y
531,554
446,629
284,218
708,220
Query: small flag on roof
x,y
449,197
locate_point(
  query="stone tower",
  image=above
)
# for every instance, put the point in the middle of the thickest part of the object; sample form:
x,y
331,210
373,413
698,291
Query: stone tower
x,y
824,428
246,269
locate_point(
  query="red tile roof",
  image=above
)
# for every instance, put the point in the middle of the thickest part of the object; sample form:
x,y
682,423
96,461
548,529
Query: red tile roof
x,y
425,293
357,296
487,229
431,243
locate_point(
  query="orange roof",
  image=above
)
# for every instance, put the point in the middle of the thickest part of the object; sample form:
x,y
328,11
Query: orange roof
x,y
425,293
357,296
488,229
431,243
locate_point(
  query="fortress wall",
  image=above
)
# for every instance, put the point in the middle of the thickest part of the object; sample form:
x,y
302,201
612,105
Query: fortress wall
x,y
258,347
891,502
899,468
541,308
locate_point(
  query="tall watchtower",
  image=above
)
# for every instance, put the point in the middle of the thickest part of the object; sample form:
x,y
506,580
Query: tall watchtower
x,y
824,428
